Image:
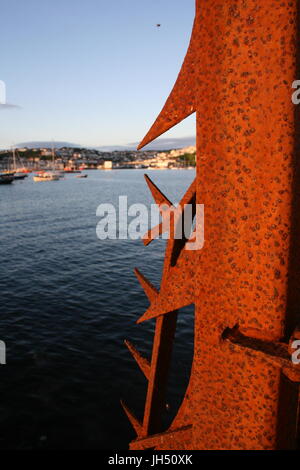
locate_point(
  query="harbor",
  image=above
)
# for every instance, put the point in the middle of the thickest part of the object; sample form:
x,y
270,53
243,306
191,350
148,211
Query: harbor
x,y
72,160
63,323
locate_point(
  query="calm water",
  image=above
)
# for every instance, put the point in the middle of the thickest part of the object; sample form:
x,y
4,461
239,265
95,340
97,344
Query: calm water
x,y
68,301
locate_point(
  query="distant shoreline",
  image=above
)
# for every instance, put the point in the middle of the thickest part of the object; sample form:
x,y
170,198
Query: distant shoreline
x,y
69,158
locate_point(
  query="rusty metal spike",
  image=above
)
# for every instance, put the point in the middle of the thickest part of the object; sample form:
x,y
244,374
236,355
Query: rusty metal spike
x,y
158,309
182,100
149,289
142,362
158,196
136,424
188,198
165,328
189,195
151,313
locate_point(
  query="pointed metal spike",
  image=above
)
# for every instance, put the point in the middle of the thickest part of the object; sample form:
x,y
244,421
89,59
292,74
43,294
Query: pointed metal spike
x,y
189,195
149,315
142,362
161,125
158,196
182,100
149,289
136,424
156,310
158,230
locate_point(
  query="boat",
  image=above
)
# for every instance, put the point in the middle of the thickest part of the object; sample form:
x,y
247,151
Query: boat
x,y
81,176
19,174
6,178
46,176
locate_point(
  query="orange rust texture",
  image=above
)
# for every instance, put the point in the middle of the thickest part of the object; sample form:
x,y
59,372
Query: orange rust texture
x,y
237,75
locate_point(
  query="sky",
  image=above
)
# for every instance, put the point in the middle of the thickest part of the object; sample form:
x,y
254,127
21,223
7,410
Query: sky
x,y
90,72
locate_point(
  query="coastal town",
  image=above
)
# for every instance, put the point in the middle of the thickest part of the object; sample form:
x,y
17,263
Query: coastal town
x,y
69,158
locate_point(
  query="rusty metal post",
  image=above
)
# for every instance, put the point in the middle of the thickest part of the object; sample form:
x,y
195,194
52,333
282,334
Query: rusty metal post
x,y
161,357
237,76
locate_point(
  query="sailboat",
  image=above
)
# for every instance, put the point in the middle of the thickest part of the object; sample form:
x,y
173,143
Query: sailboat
x,y
12,173
18,175
48,175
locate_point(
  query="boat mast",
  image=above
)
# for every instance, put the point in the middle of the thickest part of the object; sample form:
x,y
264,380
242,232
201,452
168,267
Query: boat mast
x,y
14,159
53,167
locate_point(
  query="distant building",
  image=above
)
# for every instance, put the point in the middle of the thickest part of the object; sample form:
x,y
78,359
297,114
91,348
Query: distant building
x,y
107,165
46,152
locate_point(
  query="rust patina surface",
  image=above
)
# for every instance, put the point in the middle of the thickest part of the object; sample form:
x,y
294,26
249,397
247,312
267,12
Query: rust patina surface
x,y
244,283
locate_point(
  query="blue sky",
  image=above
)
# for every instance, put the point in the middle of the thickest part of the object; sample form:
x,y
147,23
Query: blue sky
x,y
93,72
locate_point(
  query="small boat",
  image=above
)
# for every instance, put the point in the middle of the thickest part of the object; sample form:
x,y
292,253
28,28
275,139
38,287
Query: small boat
x,y
46,176
81,176
6,178
53,175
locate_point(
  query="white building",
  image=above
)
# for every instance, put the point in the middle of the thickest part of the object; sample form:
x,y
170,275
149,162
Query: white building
x,y
107,165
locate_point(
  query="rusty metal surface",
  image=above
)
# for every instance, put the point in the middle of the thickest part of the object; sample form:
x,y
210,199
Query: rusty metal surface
x,y
244,283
